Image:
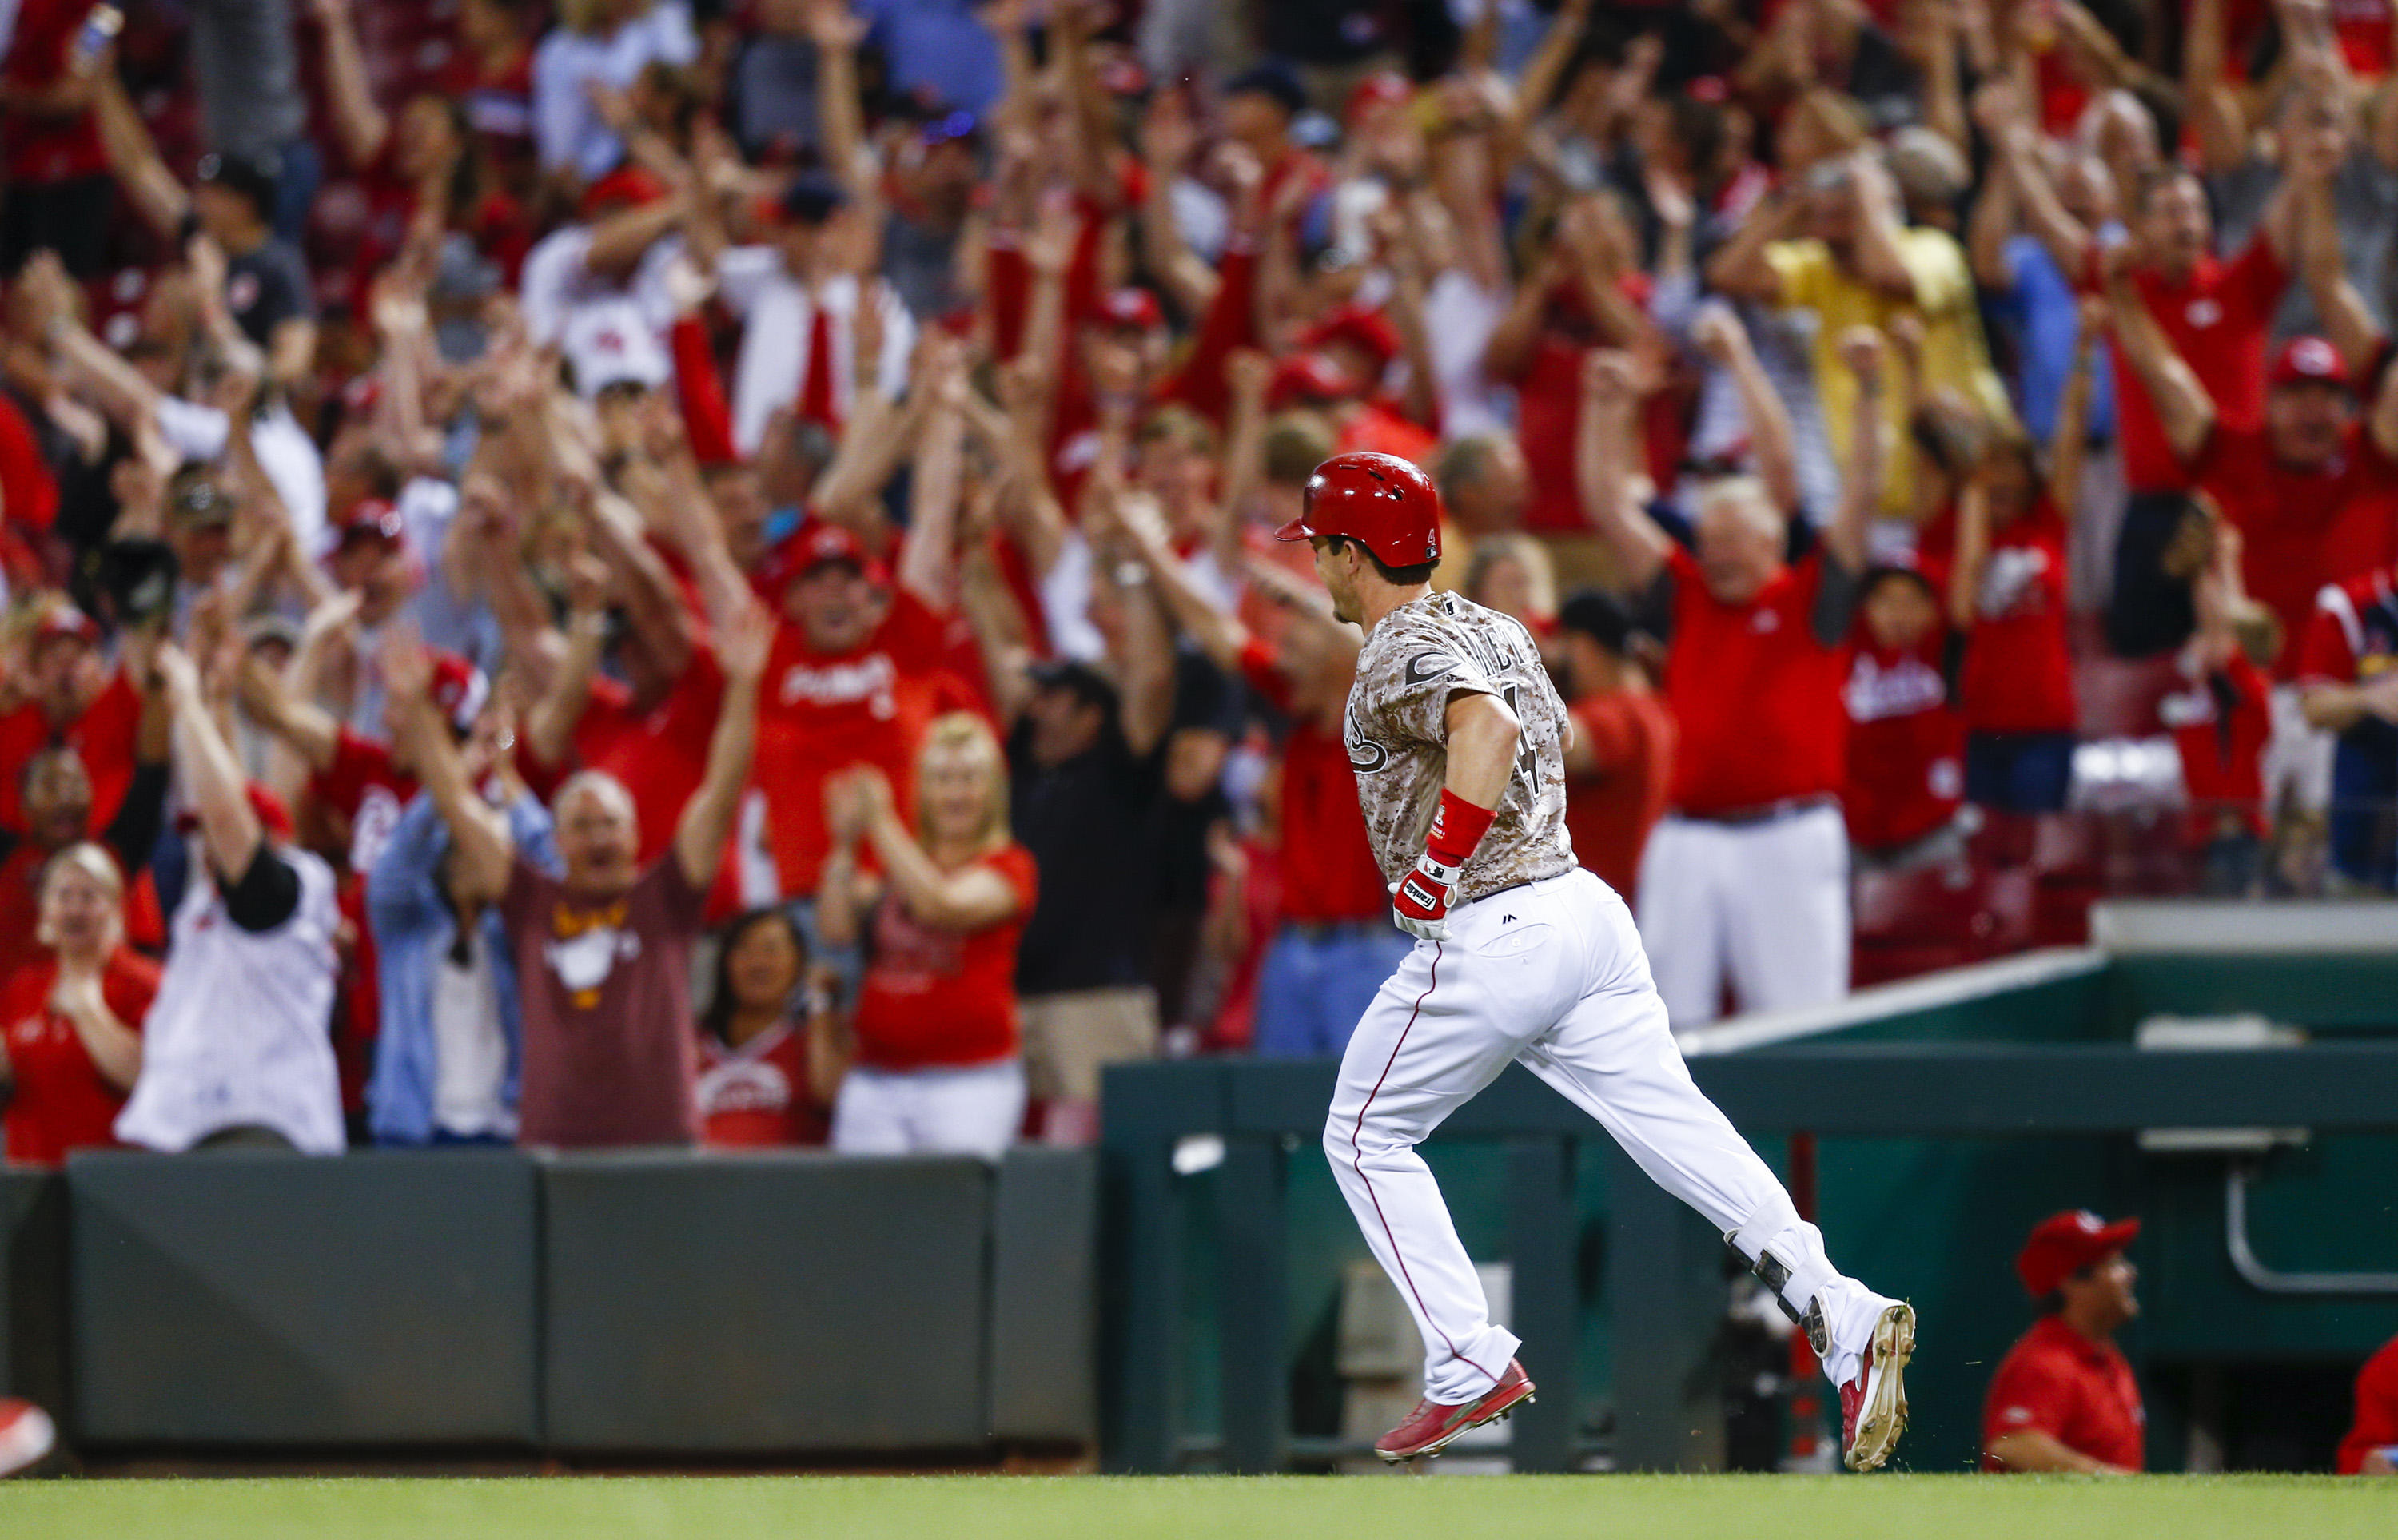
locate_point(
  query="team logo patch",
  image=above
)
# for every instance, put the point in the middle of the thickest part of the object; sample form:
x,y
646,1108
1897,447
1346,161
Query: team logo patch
x,y
1429,665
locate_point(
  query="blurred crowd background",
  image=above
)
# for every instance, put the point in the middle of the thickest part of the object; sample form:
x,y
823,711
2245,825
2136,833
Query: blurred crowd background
x,y
628,571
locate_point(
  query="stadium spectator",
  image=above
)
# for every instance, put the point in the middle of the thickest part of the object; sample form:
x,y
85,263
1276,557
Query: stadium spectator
x,y
2007,602
1334,943
936,1065
597,47
448,1054
602,950
59,187
71,1023
1619,766
1746,876
235,1050
55,800
2221,720
1084,751
769,1065
246,60
2371,1445
1906,740
2064,1398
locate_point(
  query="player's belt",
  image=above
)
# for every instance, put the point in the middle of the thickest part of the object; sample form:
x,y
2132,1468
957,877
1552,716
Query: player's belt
x,y
1762,812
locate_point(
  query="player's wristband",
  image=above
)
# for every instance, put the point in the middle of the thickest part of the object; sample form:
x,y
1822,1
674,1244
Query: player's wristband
x,y
1457,826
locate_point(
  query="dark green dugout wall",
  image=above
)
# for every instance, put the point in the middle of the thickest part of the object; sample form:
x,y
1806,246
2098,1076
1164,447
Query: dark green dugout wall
x,y
1935,1217
649,1303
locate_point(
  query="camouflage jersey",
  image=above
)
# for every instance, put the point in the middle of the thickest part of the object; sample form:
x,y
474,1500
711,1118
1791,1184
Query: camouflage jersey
x,y
1422,655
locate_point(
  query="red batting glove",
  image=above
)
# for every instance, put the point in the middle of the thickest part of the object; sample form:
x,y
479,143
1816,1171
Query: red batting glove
x,y
1420,900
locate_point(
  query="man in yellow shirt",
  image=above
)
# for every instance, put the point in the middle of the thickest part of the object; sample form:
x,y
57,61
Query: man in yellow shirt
x,y
1835,244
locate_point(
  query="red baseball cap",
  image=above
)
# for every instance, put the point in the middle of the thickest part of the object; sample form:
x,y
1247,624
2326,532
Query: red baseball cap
x,y
459,689
372,519
1359,326
2065,1243
816,543
628,186
65,619
1135,309
2309,361
1381,88
1309,377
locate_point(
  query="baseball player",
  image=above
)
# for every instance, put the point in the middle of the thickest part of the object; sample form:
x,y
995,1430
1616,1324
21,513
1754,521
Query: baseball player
x,y
1456,735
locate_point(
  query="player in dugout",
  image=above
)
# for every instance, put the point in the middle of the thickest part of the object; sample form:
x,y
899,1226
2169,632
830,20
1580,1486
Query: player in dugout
x,y
2064,1398
1458,737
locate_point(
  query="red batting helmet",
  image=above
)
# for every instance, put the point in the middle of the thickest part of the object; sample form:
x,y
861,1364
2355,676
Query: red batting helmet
x,y
1380,501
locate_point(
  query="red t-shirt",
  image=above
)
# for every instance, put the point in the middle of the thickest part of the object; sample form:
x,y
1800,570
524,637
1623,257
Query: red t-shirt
x,y
943,999
102,736
1906,743
1609,811
367,790
27,486
42,148
2077,1391
2018,671
1755,692
2300,529
2220,722
1548,404
817,715
755,1096
2217,321
1328,873
61,1102
2376,1410
660,755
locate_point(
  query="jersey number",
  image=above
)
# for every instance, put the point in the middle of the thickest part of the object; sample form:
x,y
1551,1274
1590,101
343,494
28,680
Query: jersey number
x,y
1527,762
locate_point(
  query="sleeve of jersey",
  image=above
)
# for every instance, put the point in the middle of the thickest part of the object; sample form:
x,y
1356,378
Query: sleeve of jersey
x,y
2326,656
1422,674
357,760
707,415
1229,323
2259,278
2028,1394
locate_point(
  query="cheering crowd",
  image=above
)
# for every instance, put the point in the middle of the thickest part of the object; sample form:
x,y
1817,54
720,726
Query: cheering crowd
x,y
644,572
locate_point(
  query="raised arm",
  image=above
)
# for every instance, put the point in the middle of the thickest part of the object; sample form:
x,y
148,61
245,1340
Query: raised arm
x,y
1718,333
1220,635
214,788
2065,452
309,728
484,850
1863,354
359,123
1603,451
967,900
928,550
707,819
2217,119
2069,241
1740,267
2182,405
549,724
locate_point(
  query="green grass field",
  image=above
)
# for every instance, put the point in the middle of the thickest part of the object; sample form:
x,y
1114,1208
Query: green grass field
x,y
1617,1507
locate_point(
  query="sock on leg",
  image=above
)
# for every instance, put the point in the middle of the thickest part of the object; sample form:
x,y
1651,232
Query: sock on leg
x,y
1787,1254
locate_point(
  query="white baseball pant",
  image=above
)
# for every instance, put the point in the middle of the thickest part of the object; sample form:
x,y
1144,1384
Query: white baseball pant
x,y
1550,974
1766,904
971,1111
2296,769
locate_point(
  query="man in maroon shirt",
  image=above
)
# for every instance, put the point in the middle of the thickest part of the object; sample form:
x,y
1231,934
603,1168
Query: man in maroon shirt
x,y
1746,878
2064,1398
603,953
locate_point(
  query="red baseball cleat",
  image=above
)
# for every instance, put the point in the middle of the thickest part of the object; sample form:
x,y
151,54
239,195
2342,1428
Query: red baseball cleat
x,y
1872,1406
27,1434
1432,1424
